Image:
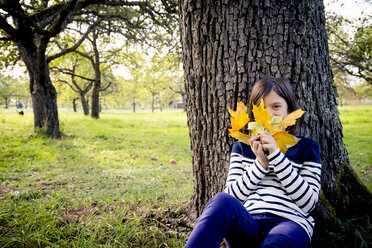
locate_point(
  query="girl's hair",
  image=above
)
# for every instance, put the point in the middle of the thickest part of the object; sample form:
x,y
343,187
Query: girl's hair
x,y
280,86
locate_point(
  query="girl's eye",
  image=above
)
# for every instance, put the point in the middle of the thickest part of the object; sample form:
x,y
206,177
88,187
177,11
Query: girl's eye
x,y
276,106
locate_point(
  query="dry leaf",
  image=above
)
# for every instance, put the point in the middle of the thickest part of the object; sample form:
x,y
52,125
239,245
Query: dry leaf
x,y
291,118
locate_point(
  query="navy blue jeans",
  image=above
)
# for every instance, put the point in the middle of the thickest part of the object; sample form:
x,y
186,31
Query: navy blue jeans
x,y
225,217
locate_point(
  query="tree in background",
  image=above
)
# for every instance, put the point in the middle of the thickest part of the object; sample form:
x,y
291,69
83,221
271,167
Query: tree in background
x,y
350,45
96,55
12,89
7,89
227,47
363,91
30,28
344,87
80,83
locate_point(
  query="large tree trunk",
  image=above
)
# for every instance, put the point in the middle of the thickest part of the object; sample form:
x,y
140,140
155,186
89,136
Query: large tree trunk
x,y
43,93
227,47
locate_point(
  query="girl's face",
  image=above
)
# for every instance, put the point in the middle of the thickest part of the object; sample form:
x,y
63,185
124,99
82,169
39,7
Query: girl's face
x,y
276,105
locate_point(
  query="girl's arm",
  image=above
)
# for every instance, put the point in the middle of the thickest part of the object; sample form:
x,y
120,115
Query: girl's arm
x,y
242,178
302,186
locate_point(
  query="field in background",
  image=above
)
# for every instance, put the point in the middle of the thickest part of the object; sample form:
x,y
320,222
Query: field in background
x,y
109,183
357,129
106,182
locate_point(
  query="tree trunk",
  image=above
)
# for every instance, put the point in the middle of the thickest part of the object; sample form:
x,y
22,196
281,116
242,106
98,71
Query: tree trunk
x,y
134,106
43,93
6,102
74,104
84,104
153,102
227,47
97,76
184,101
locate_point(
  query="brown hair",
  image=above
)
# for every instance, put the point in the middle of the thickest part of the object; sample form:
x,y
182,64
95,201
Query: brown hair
x,y
280,86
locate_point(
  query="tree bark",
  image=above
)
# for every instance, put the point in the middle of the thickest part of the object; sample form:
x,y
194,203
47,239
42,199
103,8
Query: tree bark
x,y
43,93
84,104
227,47
97,79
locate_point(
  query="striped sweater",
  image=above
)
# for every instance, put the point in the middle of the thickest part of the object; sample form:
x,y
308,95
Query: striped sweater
x,y
289,188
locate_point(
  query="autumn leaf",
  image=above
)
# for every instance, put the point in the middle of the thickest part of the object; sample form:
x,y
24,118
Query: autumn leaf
x,y
255,127
291,118
262,115
282,139
239,118
240,136
275,122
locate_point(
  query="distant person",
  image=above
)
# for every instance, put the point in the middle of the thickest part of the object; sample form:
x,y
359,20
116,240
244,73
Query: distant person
x,y
20,108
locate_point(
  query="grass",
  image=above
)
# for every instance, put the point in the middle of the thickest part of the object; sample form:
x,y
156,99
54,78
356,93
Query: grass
x,y
357,129
109,183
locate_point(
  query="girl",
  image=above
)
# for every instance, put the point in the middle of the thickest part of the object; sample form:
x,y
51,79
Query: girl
x,y
267,199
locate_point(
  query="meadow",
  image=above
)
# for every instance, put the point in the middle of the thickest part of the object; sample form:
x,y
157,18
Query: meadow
x,y
109,182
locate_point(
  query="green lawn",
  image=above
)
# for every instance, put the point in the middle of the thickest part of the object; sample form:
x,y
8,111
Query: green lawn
x,y
357,130
109,183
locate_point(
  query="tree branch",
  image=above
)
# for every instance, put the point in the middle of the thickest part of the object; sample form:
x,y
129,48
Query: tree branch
x,y
56,26
66,82
68,72
105,88
77,44
4,25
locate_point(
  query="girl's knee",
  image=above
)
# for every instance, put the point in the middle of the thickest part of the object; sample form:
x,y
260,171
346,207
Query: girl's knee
x,y
221,203
283,241
223,200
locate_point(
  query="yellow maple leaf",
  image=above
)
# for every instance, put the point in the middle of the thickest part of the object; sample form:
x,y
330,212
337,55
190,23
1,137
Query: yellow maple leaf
x,y
282,139
239,118
240,136
291,118
262,115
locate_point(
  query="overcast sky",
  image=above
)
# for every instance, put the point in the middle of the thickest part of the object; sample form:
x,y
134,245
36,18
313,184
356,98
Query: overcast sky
x,y
349,8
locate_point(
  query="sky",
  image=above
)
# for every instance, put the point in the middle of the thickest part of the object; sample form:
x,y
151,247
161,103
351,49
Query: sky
x,y
349,8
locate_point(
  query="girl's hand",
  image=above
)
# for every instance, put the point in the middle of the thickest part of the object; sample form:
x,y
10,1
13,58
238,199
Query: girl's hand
x,y
268,142
257,148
